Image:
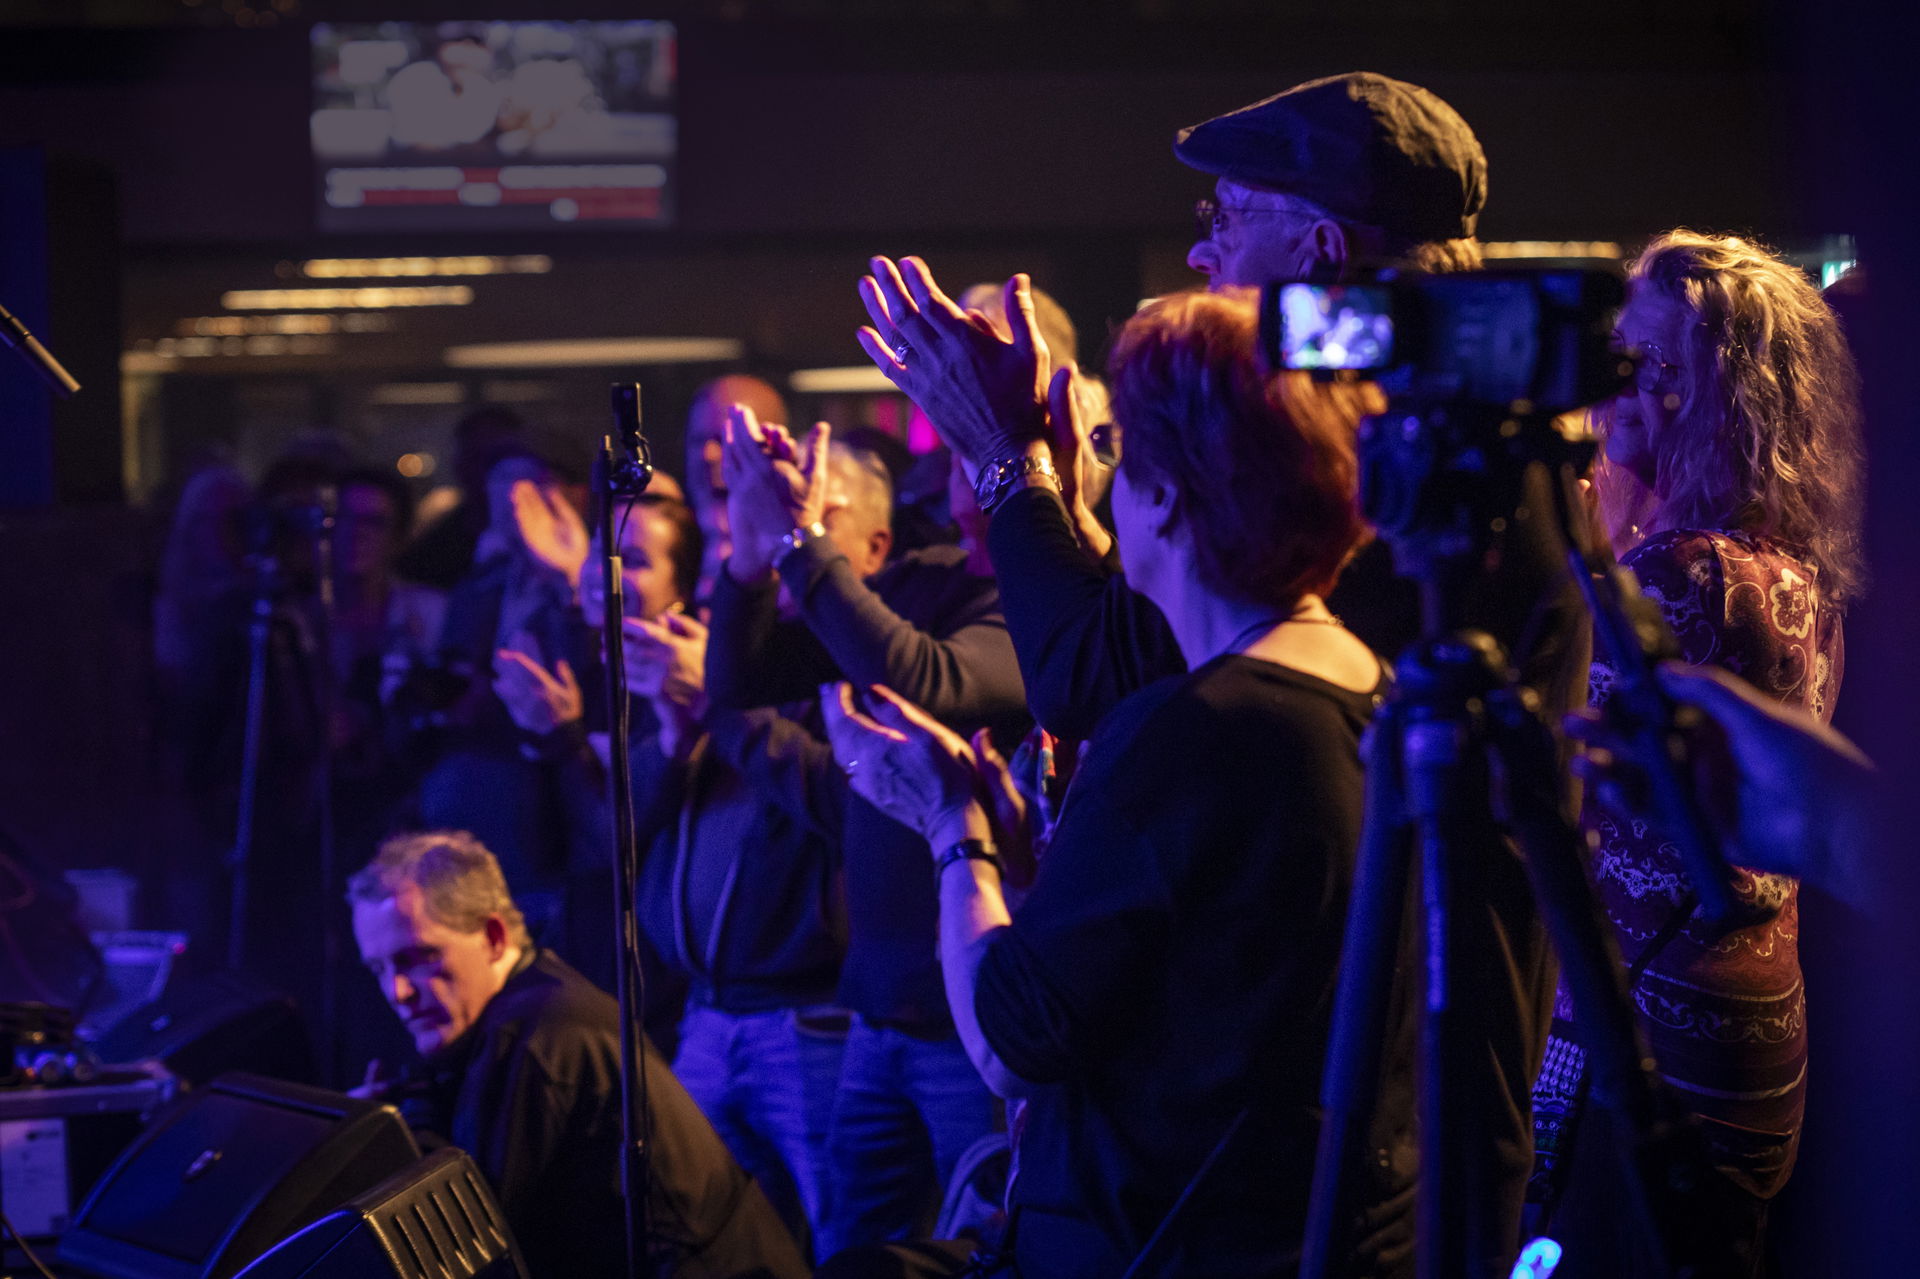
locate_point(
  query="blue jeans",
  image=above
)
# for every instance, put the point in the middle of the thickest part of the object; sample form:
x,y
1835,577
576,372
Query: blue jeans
x,y
907,1110
766,1082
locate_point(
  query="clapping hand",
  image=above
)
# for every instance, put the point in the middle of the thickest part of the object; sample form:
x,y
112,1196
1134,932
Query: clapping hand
x,y
985,394
666,658
538,700
901,760
1069,436
550,529
773,487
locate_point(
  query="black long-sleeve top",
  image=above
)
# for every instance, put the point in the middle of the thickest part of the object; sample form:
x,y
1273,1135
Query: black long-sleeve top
x,y
1086,641
933,633
1175,965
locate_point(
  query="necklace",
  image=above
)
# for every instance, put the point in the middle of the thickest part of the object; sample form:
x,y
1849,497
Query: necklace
x,y
1252,632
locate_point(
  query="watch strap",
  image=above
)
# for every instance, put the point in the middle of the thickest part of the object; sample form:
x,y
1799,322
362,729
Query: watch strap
x,y
799,537
970,850
999,478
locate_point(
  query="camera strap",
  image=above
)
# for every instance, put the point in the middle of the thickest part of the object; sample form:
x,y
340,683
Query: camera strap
x,y
1152,1255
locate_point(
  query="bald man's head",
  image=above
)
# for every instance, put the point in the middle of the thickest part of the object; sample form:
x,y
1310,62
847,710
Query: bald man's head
x,y
706,428
706,491
860,507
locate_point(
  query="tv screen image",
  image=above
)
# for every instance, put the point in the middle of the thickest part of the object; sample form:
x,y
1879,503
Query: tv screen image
x,y
487,126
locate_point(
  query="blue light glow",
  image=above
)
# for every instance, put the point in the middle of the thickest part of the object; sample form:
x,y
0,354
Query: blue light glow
x,y
1537,1260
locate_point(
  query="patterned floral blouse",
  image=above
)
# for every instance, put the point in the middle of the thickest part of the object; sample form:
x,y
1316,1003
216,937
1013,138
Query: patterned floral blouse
x,y
1726,1016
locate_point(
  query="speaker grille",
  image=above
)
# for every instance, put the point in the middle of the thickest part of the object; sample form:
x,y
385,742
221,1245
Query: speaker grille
x,y
446,1225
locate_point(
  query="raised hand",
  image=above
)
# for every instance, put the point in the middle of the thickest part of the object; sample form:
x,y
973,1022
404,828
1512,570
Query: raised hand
x,y
773,487
985,394
550,529
538,700
1068,434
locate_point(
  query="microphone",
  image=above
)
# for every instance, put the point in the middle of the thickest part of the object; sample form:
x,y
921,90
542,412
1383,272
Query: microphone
x,y
15,335
631,454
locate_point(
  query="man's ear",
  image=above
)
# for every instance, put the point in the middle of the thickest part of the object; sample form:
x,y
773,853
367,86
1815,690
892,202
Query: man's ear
x,y
879,543
498,937
1330,248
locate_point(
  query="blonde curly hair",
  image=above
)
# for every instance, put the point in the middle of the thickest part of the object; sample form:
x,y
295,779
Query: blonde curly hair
x,y
1767,435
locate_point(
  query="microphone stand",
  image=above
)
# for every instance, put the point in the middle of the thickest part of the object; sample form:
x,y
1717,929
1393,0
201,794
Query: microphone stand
x,y
266,566
621,473
326,700
15,335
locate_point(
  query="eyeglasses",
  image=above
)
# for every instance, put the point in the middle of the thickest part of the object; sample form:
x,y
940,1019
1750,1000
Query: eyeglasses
x,y
1104,441
1210,216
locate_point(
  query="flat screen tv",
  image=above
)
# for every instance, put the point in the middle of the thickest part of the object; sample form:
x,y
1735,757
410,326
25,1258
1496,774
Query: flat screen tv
x,y
492,126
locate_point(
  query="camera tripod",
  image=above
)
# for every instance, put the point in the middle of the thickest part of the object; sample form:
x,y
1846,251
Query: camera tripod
x,y
1460,758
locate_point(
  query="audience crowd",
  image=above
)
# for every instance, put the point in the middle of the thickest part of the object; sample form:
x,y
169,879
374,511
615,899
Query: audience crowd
x,y
993,881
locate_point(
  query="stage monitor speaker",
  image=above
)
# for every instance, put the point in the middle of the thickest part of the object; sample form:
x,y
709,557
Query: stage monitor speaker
x,y
213,1025
228,1171
436,1220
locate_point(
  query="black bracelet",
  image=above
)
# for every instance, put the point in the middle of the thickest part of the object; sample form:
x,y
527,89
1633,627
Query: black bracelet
x,y
970,850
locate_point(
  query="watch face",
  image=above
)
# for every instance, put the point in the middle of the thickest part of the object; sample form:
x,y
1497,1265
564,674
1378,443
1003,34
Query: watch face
x,y
991,478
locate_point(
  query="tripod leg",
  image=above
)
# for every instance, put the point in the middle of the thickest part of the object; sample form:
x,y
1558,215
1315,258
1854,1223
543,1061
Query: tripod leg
x,y
1369,962
1446,781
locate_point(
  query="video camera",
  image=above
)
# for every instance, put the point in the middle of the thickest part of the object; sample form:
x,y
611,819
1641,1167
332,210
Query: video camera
x,y
1531,343
1476,365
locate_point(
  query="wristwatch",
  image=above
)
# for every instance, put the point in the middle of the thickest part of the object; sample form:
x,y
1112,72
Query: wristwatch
x,y
997,478
791,542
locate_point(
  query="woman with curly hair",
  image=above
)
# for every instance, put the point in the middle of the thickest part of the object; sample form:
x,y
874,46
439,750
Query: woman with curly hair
x,y
1742,428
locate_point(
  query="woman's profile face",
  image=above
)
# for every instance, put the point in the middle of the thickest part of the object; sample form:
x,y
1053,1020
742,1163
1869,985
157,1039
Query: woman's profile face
x,y
1658,328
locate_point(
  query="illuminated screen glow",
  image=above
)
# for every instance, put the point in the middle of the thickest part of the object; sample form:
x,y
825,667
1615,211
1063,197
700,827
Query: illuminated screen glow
x,y
1336,326
451,126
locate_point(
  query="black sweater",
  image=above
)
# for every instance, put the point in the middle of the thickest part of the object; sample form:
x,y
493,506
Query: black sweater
x,y
1174,965
933,633
1086,641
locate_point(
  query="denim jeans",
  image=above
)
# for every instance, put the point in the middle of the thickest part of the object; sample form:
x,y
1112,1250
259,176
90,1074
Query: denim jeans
x,y
907,1110
766,1082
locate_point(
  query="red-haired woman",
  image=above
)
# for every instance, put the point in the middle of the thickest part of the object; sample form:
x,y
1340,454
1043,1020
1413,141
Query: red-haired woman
x,y
1740,441
1164,992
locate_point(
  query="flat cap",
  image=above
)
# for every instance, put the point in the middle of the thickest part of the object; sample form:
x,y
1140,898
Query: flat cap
x,y
1366,147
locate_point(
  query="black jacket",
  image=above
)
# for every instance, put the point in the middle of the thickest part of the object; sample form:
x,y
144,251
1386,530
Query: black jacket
x,y
532,1092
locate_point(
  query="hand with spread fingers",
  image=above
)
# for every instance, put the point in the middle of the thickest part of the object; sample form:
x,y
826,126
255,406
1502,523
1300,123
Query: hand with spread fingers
x,y
550,529
905,763
538,700
666,658
985,394
1788,793
774,485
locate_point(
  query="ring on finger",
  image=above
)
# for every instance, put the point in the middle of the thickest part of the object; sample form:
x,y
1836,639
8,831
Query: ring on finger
x,y
900,350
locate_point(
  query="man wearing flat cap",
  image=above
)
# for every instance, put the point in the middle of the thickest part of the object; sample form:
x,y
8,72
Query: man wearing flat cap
x,y
1353,168
1330,177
